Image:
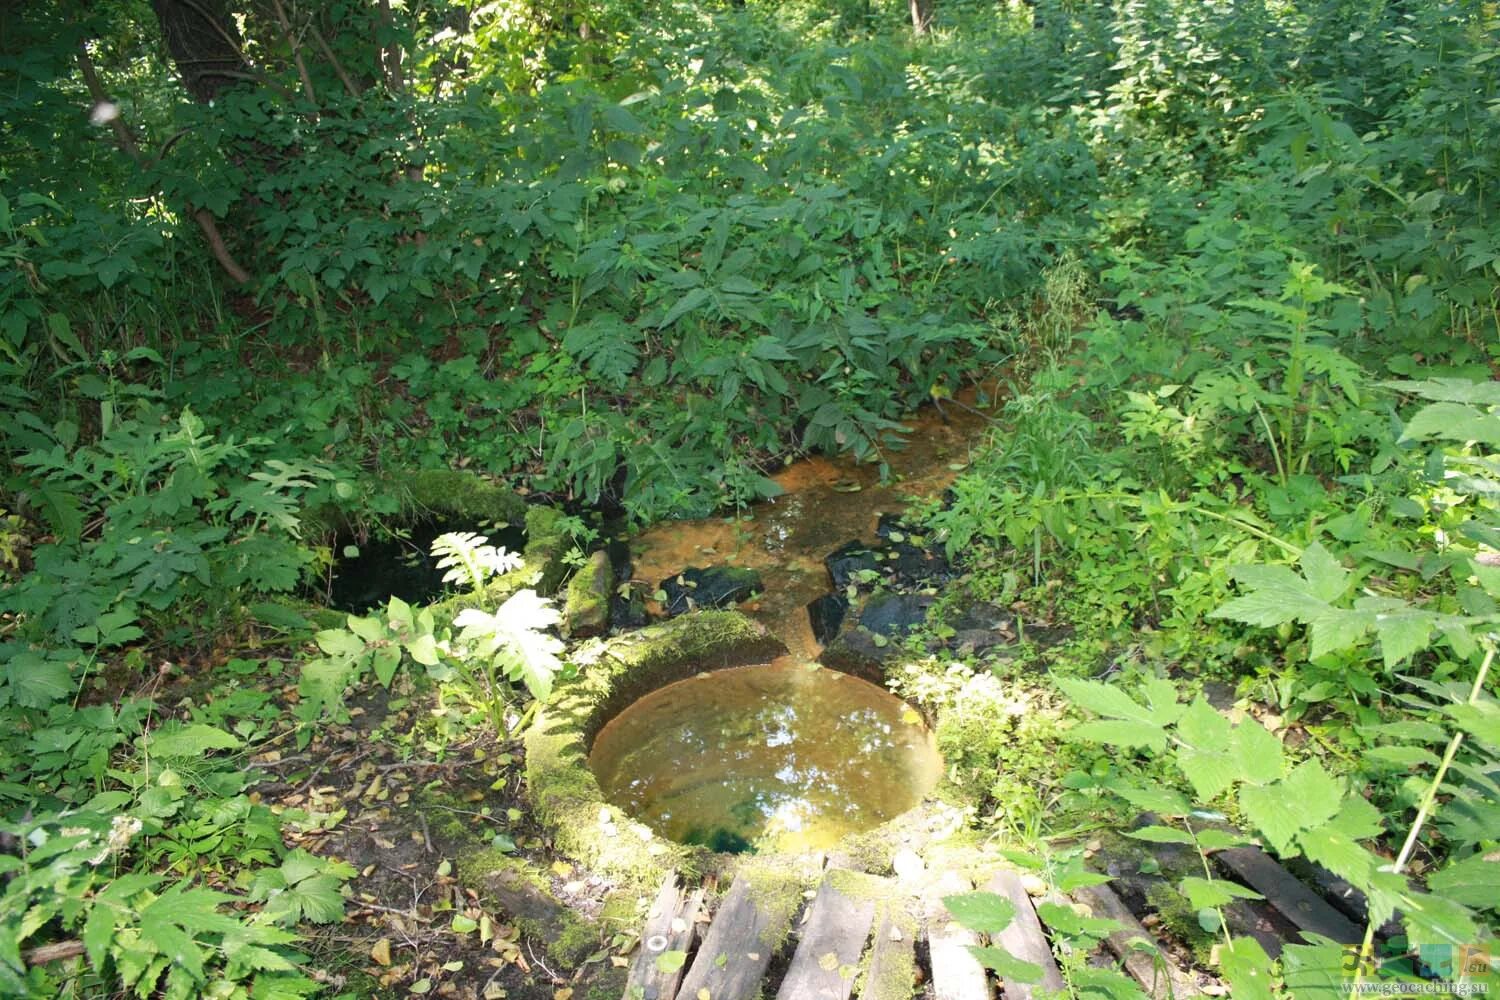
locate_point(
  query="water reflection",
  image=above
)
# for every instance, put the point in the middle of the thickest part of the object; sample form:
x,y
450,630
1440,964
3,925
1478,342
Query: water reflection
x,y
776,757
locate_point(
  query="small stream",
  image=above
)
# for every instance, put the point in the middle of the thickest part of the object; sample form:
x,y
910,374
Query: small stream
x,y
828,501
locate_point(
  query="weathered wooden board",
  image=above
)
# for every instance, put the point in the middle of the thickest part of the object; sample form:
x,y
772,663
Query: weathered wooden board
x,y
1295,901
670,926
1159,977
891,969
832,940
737,949
956,973
1024,938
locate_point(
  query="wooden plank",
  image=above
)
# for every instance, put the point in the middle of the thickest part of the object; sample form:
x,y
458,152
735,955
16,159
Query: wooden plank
x,y
737,949
1295,901
1024,938
956,973
833,938
1158,976
891,969
670,926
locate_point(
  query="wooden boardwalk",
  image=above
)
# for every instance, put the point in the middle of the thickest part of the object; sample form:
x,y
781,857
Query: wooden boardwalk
x,y
862,932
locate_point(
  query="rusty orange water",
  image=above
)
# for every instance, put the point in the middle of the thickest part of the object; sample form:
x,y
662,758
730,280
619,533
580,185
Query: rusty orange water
x,y
777,757
828,501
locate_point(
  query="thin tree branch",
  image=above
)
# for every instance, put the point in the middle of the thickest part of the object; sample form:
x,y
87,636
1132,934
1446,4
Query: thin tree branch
x,y
99,95
291,40
217,246
333,61
55,952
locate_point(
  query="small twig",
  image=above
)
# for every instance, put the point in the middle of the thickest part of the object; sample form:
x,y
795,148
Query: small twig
x,y
411,914
464,812
426,834
542,965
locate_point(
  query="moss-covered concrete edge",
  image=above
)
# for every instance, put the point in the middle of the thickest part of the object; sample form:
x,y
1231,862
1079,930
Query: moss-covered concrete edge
x,y
611,675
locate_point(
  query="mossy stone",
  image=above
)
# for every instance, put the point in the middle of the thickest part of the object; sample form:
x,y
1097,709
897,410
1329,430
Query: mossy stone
x,y
612,674
586,608
460,494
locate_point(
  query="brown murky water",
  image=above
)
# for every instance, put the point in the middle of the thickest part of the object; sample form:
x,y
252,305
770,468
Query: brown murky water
x,y
779,757
827,502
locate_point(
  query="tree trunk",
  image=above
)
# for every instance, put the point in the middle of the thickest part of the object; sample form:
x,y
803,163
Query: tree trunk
x,y
921,15
205,44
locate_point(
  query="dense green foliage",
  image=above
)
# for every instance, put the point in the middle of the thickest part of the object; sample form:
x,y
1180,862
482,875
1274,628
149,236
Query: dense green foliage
x,y
1234,265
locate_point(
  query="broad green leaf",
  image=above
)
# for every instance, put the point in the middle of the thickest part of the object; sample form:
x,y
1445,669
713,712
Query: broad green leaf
x,y
1161,697
1257,753
423,650
340,642
1125,734
37,680
1218,840
1163,801
1327,579
1335,629
189,741
1337,852
1269,607
1401,756
1248,968
1453,422
1105,699
1006,965
368,629
1065,921
1203,728
385,661
1474,881
671,961
1401,635
1480,720
985,912
1203,893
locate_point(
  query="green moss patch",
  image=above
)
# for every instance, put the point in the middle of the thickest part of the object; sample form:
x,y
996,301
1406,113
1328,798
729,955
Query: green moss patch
x,y
612,675
459,494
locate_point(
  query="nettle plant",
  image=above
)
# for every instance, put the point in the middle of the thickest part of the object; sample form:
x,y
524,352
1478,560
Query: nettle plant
x,y
1369,620
490,654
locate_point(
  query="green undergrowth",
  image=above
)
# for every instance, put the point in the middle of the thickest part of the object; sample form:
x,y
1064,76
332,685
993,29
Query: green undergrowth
x,y
1231,266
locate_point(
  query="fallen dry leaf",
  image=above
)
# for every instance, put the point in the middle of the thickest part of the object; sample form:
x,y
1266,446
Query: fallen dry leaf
x,y
381,953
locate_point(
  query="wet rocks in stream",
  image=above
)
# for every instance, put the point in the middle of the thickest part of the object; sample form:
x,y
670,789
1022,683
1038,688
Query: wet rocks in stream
x,y
872,636
827,616
711,587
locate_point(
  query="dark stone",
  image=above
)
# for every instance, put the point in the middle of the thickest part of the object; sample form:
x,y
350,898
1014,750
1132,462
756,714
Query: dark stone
x,y
629,611
893,615
869,640
902,563
827,616
846,562
713,587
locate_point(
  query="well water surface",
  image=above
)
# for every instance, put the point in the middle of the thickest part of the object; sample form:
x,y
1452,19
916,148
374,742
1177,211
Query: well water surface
x,y
779,757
